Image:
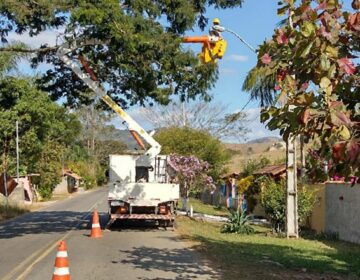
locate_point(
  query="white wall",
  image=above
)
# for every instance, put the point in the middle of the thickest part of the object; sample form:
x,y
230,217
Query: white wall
x,y
343,210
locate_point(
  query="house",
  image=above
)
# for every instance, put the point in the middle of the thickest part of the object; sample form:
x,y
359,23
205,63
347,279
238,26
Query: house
x,y
70,182
277,172
9,182
22,192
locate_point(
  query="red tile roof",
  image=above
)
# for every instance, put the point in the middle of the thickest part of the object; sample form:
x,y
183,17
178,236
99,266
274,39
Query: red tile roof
x,y
273,170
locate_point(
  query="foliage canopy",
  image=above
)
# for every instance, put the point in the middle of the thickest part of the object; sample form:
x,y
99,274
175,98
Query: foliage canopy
x,y
187,141
141,58
317,82
45,129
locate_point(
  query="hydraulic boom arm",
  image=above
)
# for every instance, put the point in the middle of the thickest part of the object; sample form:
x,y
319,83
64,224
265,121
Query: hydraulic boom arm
x,y
91,81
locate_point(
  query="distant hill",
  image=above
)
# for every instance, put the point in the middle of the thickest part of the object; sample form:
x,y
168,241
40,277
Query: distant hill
x,y
264,147
125,137
264,140
121,135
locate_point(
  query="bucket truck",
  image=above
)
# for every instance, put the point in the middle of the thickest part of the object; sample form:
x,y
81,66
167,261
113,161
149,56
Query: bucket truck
x,y
140,187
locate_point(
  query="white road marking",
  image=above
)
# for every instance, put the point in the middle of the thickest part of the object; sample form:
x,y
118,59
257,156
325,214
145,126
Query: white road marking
x,y
45,251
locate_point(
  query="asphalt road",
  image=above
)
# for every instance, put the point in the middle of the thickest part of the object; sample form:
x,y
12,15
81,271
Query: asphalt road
x,y
28,246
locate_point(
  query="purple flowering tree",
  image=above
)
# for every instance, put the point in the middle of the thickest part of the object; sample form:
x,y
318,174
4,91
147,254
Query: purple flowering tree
x,y
191,172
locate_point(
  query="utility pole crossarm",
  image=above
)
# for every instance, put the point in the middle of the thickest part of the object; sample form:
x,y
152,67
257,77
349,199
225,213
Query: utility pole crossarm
x,y
93,84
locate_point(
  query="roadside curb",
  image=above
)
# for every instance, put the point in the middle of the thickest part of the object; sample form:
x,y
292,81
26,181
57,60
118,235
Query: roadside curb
x,y
211,218
205,217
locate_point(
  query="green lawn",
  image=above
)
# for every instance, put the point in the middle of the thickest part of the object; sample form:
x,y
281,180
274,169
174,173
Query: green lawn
x,y
200,207
261,256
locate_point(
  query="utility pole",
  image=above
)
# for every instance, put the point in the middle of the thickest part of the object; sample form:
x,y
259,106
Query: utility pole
x,y
302,156
292,227
291,189
5,188
18,158
17,151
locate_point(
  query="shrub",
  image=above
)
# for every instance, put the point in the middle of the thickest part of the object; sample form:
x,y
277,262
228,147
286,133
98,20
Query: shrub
x,y
88,170
245,183
254,164
273,199
238,223
50,169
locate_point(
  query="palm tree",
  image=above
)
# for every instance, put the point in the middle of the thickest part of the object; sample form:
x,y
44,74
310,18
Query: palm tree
x,y
261,85
9,60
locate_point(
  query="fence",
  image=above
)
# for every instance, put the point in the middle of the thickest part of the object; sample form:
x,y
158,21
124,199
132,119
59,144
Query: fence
x,y
217,199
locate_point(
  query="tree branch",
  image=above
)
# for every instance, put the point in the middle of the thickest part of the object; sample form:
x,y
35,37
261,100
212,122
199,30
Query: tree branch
x,y
79,43
22,50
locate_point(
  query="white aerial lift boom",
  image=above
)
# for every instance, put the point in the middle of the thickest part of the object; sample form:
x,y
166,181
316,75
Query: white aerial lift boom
x,y
139,184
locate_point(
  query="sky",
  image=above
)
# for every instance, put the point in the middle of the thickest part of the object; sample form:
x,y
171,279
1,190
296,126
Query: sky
x,y
254,22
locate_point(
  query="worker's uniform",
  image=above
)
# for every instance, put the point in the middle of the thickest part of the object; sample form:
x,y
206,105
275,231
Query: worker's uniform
x,y
217,46
216,50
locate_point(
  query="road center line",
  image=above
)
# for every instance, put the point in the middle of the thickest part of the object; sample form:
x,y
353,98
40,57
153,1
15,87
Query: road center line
x,y
46,250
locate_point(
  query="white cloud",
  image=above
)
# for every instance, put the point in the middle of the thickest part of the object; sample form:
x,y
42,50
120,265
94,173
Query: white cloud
x,y
238,58
47,37
228,71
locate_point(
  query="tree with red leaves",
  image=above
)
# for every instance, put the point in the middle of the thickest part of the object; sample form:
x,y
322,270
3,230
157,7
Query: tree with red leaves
x,y
311,64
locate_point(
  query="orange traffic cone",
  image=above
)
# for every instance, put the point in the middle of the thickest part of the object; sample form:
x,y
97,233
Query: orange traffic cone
x,y
61,270
95,227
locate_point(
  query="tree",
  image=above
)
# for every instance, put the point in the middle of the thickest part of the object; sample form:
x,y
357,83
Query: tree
x,y
45,129
261,86
89,155
100,136
187,141
191,173
253,165
273,199
198,115
140,56
312,61
93,122
8,60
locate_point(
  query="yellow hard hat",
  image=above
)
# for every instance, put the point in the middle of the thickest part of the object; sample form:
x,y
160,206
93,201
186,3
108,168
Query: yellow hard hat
x,y
216,21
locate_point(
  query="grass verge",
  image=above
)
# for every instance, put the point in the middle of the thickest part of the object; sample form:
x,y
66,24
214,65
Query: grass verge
x,y
260,256
200,207
11,211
